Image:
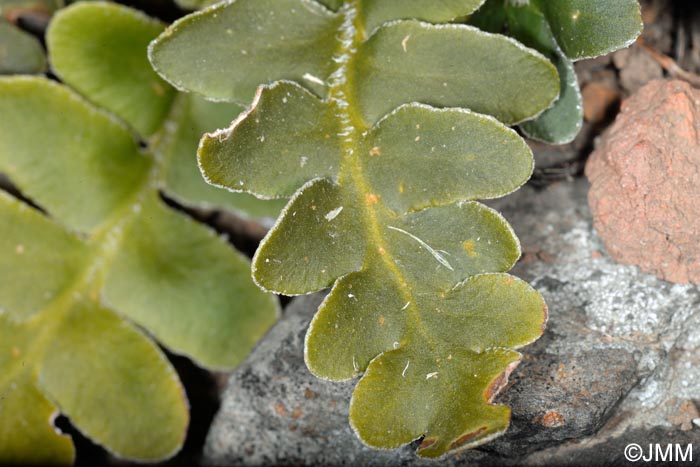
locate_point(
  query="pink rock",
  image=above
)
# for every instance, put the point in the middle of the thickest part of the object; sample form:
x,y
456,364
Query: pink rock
x,y
645,182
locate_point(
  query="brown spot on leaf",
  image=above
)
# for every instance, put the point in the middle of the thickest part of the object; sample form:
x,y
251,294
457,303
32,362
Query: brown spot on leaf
x,y
15,352
427,442
468,246
371,199
467,437
381,321
375,151
499,382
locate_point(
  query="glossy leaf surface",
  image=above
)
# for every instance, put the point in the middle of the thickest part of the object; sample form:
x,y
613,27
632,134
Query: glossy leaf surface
x,y
377,12
408,61
86,145
128,375
175,145
564,32
77,357
381,206
26,434
561,123
226,51
396,248
588,28
111,249
122,83
401,62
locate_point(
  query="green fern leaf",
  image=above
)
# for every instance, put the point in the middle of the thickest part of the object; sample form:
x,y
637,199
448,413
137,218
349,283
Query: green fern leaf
x,y
381,192
564,32
109,255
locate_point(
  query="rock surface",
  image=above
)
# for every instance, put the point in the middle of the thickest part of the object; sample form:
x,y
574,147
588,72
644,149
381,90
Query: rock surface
x,y
275,413
637,68
617,364
645,182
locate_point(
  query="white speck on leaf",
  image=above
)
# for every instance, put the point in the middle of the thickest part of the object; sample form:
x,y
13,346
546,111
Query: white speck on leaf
x,y
313,79
334,213
431,375
403,373
404,43
441,259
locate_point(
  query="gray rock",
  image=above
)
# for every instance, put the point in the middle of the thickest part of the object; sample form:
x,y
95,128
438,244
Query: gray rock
x,y
275,413
617,364
603,366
